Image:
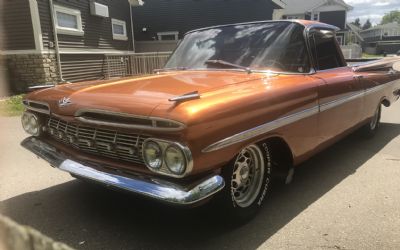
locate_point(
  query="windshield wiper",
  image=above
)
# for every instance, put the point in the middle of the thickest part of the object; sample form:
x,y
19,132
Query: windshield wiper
x,y
170,69
225,63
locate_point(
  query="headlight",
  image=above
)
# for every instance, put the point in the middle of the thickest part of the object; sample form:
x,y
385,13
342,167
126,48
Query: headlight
x,y
152,154
31,123
175,160
167,157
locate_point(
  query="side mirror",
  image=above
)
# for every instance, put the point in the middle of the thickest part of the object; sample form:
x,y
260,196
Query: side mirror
x,y
396,66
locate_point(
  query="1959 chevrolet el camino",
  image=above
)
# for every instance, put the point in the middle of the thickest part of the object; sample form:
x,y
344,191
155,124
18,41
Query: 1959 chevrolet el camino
x,y
234,107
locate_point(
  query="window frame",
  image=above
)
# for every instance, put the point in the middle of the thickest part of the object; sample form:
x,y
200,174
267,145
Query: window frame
x,y
339,40
123,37
318,16
168,33
65,30
314,54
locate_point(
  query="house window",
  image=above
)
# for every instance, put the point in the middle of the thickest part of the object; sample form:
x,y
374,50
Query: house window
x,y
68,21
315,16
119,29
170,35
340,40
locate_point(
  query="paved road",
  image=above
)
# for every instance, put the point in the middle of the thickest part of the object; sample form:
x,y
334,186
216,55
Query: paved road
x,y
347,197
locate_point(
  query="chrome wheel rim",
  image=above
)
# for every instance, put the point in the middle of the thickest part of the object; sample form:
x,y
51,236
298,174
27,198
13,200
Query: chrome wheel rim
x,y
374,120
247,176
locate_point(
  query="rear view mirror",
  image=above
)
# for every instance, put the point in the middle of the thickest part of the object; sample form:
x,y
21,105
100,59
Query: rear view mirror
x,y
396,66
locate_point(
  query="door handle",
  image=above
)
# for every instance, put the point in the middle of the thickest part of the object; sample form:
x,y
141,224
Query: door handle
x,y
358,76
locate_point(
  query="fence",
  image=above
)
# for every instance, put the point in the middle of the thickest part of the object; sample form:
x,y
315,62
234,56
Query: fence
x,y
135,64
351,51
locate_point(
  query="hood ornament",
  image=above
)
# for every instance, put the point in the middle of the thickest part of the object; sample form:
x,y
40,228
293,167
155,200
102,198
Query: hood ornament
x,y
65,101
186,97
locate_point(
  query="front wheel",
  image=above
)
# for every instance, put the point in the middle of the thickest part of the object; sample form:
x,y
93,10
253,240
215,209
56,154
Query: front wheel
x,y
247,178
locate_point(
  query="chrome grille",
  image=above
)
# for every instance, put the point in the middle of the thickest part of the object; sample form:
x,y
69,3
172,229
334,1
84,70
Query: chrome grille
x,y
108,143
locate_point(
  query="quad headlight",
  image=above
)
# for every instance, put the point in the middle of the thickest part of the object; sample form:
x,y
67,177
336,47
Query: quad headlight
x,y
31,123
175,159
167,158
152,154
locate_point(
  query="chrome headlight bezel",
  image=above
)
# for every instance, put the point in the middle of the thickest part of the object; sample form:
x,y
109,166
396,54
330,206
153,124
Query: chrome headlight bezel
x,y
182,162
33,120
160,157
164,169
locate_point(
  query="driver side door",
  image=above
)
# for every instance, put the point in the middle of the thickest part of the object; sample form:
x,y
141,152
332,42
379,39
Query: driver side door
x,y
340,92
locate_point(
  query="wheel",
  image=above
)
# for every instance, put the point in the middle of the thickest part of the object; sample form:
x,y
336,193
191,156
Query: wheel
x,y
370,129
247,181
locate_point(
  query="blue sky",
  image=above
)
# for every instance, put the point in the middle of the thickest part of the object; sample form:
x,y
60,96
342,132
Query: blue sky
x,y
372,9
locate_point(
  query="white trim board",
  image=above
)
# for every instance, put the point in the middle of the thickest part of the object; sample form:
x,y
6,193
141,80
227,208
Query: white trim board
x,y
37,30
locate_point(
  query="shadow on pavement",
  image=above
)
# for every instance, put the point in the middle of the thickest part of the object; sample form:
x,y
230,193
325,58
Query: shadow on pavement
x,y
90,217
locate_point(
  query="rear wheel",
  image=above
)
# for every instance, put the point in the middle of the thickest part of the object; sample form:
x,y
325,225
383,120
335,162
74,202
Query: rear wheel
x,y
247,178
370,129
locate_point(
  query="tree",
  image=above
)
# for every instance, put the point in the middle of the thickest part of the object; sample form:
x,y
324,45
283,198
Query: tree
x,y
357,22
367,25
393,16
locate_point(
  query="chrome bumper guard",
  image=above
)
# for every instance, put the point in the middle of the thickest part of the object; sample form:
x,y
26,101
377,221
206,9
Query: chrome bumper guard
x,y
150,187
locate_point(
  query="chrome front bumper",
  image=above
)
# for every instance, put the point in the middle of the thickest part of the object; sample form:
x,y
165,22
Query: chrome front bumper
x,y
150,187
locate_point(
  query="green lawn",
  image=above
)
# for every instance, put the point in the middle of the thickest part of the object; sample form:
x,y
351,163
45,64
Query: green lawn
x,y
12,106
365,55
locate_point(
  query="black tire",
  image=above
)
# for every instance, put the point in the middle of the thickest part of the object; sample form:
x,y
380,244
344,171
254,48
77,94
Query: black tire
x,y
235,205
371,128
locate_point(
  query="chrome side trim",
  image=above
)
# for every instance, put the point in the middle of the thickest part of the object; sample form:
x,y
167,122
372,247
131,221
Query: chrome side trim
x,y
283,121
340,101
377,88
154,188
262,129
153,120
27,104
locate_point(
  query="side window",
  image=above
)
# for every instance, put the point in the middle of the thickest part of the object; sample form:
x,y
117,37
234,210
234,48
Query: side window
x,y
325,51
119,29
68,21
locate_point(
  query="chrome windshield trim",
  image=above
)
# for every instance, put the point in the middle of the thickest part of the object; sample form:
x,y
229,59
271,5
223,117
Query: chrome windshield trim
x,y
151,187
153,120
261,129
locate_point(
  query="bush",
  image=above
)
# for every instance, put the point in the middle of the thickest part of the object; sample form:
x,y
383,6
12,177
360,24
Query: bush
x,y
12,106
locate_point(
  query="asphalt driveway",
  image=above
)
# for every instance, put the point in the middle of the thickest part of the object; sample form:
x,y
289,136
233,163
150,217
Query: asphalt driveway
x,y
347,197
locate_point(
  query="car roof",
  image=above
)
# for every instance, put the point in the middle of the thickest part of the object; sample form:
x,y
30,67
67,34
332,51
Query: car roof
x,y
308,24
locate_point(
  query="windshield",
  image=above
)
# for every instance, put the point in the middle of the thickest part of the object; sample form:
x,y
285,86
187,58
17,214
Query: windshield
x,y
275,46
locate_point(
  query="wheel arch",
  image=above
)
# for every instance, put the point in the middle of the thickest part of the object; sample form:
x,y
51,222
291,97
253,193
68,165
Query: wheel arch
x,y
281,153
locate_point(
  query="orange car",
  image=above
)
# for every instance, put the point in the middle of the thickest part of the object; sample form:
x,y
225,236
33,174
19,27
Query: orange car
x,y
235,106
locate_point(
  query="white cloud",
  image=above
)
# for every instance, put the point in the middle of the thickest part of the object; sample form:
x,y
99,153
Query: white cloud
x,y
371,9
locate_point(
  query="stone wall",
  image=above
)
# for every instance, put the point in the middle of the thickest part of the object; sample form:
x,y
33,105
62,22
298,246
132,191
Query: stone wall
x,y
17,237
4,86
30,70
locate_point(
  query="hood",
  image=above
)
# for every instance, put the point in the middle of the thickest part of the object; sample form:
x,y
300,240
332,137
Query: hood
x,y
139,95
